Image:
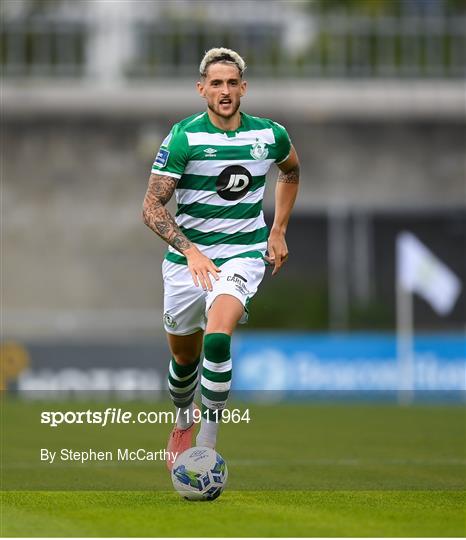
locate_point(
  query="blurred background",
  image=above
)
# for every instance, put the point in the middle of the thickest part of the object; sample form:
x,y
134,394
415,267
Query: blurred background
x,y
372,94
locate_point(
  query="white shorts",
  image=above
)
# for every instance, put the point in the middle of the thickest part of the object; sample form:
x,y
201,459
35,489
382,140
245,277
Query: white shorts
x,y
186,306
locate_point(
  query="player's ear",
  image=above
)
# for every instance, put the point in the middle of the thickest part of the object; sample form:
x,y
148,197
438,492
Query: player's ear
x,y
243,88
201,88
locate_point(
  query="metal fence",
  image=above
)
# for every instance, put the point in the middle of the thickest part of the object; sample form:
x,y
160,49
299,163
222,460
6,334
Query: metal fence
x,y
330,46
43,48
340,47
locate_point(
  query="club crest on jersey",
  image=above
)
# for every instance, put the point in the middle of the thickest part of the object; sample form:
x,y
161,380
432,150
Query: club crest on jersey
x,y
233,182
259,150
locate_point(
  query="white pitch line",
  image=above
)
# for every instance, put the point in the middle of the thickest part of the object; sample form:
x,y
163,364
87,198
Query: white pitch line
x,y
347,462
344,462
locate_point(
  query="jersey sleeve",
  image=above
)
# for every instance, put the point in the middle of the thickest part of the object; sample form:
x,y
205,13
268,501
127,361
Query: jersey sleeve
x,y
172,157
282,142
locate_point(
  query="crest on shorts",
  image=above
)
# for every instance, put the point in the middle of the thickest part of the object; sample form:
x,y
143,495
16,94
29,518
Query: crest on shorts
x,y
259,150
169,320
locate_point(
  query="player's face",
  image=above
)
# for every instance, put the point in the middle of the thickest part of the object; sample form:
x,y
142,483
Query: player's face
x,y
222,88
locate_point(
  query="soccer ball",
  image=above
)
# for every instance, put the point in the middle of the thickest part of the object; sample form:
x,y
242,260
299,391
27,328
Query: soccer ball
x,y
199,474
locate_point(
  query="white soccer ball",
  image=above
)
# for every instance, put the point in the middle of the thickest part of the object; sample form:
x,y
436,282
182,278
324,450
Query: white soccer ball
x,y
199,474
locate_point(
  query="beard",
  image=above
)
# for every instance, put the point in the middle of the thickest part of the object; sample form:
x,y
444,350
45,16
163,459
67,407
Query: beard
x,y
218,112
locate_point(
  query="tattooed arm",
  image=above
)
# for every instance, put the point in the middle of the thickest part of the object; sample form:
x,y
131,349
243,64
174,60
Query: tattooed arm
x,y
159,219
285,196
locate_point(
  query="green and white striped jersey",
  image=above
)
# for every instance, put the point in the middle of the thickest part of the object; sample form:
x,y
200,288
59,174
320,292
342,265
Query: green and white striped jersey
x,y
221,182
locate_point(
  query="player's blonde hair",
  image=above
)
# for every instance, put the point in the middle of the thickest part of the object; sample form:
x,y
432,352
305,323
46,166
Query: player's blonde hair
x,y
223,55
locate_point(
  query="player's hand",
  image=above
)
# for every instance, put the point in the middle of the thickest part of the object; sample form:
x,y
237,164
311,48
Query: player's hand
x,y
200,267
278,250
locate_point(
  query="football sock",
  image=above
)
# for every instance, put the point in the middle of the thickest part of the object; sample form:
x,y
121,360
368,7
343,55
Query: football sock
x,y
182,383
215,386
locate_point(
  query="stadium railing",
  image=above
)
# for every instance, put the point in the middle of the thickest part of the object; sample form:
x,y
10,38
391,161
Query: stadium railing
x,y
327,45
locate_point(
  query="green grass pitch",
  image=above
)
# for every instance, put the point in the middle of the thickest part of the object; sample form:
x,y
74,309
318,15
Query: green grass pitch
x,y
297,469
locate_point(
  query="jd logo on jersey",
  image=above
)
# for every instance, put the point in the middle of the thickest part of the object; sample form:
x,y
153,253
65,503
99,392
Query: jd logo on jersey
x,y
233,182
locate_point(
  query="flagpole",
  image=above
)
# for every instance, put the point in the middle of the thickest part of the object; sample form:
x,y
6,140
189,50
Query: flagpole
x,y
419,271
404,323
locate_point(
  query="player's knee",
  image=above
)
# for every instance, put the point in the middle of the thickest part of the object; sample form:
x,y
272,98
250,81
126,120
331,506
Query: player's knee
x,y
184,359
217,346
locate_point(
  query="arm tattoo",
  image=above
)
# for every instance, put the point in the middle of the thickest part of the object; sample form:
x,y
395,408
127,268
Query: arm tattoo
x,y
157,217
290,177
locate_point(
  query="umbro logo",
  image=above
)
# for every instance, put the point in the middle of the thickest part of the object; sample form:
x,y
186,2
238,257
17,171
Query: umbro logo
x,y
210,152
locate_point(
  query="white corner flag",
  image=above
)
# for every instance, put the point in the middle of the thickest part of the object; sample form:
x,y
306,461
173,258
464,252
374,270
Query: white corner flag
x,y
420,271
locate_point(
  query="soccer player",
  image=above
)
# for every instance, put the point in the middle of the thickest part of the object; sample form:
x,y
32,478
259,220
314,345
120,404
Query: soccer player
x,y
218,245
